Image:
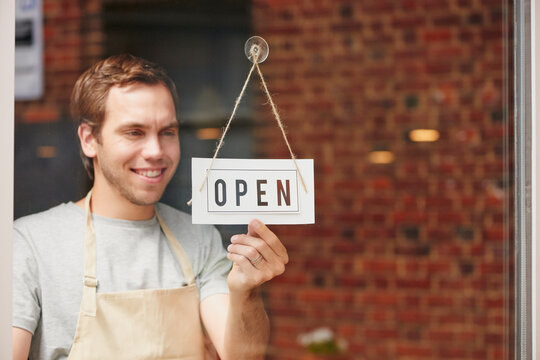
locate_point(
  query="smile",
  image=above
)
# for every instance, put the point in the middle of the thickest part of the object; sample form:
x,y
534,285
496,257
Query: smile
x,y
149,173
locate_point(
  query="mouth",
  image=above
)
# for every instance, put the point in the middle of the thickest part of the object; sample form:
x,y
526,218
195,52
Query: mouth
x,y
149,173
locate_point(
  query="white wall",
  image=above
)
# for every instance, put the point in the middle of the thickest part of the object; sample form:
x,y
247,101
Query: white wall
x,y
7,66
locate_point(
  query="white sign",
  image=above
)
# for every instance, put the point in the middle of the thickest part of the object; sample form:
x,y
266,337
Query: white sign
x,y
238,190
28,50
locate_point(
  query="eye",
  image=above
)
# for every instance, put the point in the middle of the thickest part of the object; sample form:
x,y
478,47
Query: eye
x,y
134,133
170,132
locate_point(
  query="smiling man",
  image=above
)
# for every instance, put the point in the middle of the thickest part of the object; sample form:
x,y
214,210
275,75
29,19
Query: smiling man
x,y
118,275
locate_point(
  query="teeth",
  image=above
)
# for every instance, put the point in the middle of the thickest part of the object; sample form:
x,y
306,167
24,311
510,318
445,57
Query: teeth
x,y
149,173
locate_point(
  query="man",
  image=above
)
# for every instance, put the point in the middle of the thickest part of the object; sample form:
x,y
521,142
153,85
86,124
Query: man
x,y
118,275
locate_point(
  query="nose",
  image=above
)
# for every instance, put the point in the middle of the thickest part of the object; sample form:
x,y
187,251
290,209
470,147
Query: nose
x,y
153,149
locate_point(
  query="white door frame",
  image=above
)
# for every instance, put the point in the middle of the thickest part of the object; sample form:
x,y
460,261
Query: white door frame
x,y
535,116
7,72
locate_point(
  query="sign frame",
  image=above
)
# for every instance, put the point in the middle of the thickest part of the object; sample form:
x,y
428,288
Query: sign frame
x,y
286,203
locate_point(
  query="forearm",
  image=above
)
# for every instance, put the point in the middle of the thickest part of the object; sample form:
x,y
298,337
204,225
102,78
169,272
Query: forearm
x,y
247,328
21,343
258,257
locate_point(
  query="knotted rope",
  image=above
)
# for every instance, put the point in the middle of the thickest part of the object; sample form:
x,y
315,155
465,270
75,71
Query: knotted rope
x,y
254,51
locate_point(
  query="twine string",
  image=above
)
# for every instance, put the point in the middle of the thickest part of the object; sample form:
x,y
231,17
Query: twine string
x,y
255,56
278,119
220,144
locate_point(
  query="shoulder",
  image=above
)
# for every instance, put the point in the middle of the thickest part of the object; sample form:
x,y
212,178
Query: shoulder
x,y
57,212
61,216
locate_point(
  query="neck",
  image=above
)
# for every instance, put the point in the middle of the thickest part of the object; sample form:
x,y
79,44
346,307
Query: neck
x,y
110,203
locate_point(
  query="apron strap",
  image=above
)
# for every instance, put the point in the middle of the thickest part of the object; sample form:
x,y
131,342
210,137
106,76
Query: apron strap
x,y
88,303
183,259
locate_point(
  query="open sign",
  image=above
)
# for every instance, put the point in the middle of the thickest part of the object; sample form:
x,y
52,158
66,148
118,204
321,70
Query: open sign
x,y
238,190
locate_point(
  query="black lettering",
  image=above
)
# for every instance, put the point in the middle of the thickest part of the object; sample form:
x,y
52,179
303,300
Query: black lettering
x,y
240,192
223,189
260,193
281,192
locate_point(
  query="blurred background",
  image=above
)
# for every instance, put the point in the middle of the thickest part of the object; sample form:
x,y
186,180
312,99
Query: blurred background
x,y
405,106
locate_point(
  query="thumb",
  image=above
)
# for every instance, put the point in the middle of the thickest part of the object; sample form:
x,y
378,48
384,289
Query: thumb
x,y
252,226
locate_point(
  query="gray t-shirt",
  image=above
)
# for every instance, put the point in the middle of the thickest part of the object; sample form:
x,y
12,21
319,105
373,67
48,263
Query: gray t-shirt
x,y
48,266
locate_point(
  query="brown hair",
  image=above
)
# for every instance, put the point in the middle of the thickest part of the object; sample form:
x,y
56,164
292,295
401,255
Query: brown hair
x,y
91,89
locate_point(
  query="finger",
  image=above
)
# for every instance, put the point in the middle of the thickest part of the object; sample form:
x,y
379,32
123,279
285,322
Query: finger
x,y
259,245
242,262
248,252
268,262
264,259
257,228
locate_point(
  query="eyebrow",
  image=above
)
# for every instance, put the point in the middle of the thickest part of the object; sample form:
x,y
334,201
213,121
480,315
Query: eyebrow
x,y
172,124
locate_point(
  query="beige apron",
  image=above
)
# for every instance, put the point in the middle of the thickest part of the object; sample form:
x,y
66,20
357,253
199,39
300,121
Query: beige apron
x,y
140,324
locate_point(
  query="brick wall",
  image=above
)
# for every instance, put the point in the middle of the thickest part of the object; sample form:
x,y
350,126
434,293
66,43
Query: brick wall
x,y
406,260
72,39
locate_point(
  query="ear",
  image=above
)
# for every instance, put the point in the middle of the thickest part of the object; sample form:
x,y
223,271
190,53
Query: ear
x,y
88,140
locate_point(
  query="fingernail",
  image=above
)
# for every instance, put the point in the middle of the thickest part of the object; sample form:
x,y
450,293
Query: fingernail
x,y
229,248
234,238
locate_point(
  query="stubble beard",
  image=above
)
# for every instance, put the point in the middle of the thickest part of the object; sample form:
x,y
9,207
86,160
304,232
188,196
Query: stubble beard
x,y
124,188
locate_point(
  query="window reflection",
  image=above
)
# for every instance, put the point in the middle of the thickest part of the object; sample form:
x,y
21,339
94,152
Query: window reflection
x,y
405,108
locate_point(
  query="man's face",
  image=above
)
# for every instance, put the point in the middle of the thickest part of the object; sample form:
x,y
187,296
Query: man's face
x,y
138,150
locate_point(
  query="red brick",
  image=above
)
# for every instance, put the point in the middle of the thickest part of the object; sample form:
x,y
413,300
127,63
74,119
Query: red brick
x,y
380,334
415,351
439,234
347,248
379,266
286,310
318,264
493,338
41,114
348,26
381,7
379,315
440,301
492,268
452,353
450,250
447,20
386,299
452,319
354,315
347,330
381,183
351,217
291,278
440,266
447,52
438,68
413,283
409,217
448,217
433,5
440,35
440,336
407,22
377,233
494,234
316,295
351,281
315,13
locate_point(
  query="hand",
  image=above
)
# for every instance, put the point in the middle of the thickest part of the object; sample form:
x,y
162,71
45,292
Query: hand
x,y
257,256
